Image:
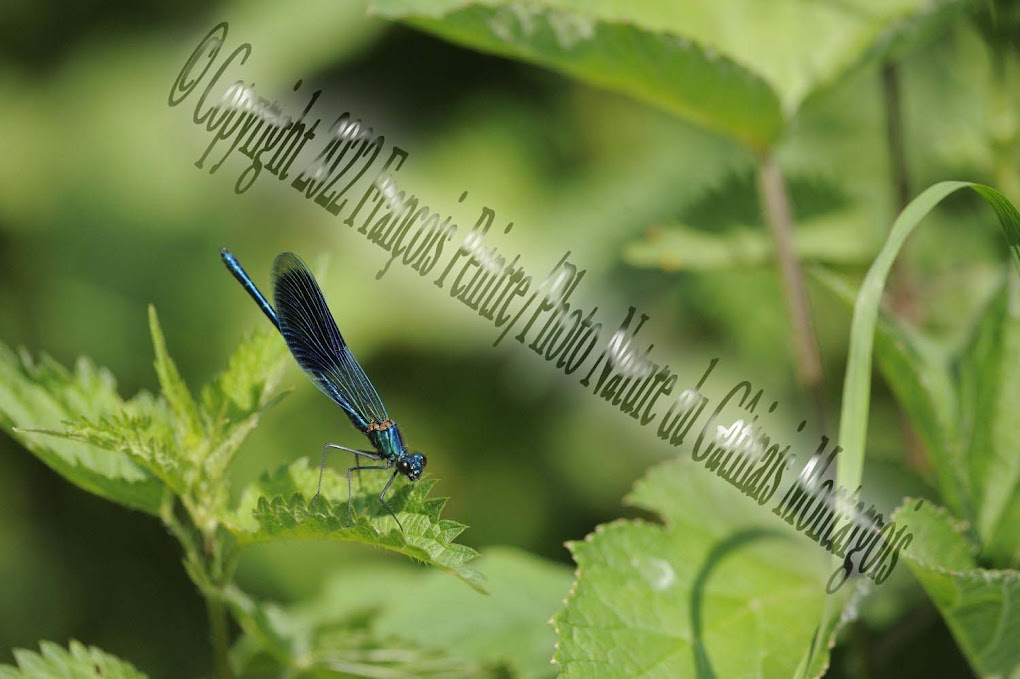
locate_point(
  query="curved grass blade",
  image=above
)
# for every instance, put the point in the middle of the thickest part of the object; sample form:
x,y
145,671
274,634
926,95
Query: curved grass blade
x,y
853,421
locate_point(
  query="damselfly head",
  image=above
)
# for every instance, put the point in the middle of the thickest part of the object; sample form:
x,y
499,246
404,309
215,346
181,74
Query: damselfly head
x,y
412,466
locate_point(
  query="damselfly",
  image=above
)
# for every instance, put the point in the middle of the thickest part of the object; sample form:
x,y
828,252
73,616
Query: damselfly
x,y
311,334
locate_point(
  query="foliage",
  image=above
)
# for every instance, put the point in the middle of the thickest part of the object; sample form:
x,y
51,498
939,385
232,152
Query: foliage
x,y
977,604
396,621
276,508
733,80
76,662
719,588
169,455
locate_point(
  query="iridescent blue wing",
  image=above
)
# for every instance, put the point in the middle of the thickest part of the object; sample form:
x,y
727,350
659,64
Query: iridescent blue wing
x,y
316,343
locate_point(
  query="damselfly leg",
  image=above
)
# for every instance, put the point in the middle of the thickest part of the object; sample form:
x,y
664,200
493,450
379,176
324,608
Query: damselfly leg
x,y
358,454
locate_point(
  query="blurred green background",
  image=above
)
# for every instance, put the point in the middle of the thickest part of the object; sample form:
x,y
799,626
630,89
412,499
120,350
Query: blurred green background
x,y
102,212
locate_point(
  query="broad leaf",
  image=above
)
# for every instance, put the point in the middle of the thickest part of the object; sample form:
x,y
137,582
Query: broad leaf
x,y
718,64
279,507
76,662
832,238
509,628
979,606
39,394
724,588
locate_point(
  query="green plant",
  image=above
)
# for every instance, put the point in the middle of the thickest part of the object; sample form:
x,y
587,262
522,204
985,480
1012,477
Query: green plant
x,y
169,456
633,611
774,140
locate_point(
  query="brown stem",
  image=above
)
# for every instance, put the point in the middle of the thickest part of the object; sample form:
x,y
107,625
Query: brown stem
x,y
894,135
1004,123
776,206
903,289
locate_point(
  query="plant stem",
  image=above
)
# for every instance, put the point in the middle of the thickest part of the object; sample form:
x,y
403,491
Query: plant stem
x,y
903,291
220,637
776,206
1004,124
200,569
894,135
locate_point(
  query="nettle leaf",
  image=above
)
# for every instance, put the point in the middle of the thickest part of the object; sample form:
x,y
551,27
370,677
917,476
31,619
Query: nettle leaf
x,y
277,507
672,70
717,64
989,370
509,628
723,588
206,437
142,431
78,661
978,605
133,451
234,401
188,429
43,393
833,238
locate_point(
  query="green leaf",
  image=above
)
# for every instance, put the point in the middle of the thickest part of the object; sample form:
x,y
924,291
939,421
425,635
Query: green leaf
x,y
335,638
142,431
131,451
175,391
509,628
35,394
77,662
833,238
716,64
989,402
724,588
979,606
672,70
853,420
422,614
164,436
233,403
206,438
277,507
964,416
